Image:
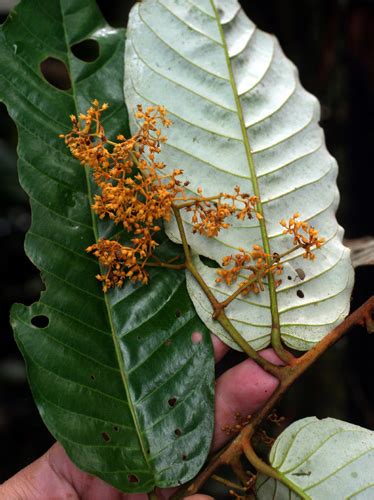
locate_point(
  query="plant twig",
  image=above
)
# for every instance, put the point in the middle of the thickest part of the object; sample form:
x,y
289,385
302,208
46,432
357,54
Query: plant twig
x,y
189,264
218,312
166,265
363,316
190,202
227,483
251,353
266,469
238,469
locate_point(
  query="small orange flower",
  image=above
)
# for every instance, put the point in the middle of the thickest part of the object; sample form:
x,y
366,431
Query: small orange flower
x,y
304,235
134,191
258,262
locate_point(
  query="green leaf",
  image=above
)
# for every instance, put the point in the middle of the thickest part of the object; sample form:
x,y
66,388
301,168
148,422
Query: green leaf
x,y
323,459
113,376
241,117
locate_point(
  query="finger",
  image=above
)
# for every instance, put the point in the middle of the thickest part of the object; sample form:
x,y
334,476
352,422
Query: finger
x,y
242,389
220,349
47,477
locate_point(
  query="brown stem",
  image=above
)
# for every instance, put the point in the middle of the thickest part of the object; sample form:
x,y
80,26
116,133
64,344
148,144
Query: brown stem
x,y
247,283
190,202
284,254
227,483
238,469
166,265
286,375
363,316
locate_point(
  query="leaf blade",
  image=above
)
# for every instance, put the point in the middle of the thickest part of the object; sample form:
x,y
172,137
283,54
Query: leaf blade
x,y
241,117
320,457
77,363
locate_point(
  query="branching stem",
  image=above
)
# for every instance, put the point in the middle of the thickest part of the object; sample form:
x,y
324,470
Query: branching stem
x,y
166,265
189,264
293,368
363,316
266,469
238,469
219,313
255,276
190,202
251,353
227,483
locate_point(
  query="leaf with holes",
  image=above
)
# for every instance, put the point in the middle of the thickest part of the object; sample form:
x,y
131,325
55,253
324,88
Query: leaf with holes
x,y
117,378
321,458
241,117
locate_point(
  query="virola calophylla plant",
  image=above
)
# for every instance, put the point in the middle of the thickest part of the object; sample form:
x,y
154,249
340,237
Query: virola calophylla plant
x,y
137,194
117,377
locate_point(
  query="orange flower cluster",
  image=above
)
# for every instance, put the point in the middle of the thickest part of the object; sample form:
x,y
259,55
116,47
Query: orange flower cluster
x,y
134,190
257,261
262,264
136,193
121,262
308,240
210,214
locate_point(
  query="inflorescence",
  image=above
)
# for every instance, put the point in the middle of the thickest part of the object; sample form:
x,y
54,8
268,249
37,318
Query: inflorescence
x,y
137,193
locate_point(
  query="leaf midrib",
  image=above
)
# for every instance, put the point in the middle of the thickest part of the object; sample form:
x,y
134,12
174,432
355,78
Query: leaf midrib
x,y
96,235
252,170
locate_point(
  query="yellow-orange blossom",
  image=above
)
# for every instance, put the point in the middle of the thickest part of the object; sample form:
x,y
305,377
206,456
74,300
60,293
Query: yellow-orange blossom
x,y
137,193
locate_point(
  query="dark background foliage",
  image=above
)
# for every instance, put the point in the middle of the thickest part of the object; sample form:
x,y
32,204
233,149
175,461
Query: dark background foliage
x,y
332,43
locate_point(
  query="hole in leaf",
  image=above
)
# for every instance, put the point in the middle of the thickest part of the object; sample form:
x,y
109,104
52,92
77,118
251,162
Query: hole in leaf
x,y
105,436
40,321
289,277
56,73
132,478
178,432
178,313
196,337
300,294
172,402
92,377
184,457
115,428
209,262
87,50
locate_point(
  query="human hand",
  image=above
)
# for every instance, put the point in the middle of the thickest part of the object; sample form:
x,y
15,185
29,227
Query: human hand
x,y
244,388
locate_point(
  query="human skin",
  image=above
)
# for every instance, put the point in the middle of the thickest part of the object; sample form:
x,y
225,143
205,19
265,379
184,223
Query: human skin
x,y
243,388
